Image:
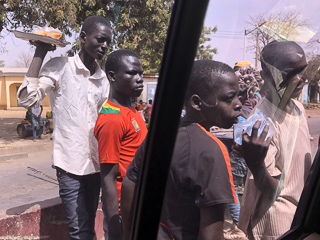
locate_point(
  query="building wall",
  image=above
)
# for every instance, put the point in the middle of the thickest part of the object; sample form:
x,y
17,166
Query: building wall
x,y
3,95
149,83
11,79
8,90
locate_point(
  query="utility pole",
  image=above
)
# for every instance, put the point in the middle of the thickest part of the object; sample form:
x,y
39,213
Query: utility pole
x,y
257,49
245,47
257,42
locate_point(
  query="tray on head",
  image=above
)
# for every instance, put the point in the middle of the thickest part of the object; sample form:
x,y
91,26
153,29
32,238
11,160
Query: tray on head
x,y
41,38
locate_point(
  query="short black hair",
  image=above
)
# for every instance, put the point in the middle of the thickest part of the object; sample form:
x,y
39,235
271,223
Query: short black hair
x,y
114,58
91,22
204,75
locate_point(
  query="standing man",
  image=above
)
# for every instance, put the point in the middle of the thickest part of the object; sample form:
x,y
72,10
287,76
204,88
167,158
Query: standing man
x,y
119,130
275,182
149,111
36,111
77,88
141,107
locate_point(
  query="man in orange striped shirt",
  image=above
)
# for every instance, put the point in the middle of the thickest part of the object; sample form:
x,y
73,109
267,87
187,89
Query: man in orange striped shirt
x,y
200,181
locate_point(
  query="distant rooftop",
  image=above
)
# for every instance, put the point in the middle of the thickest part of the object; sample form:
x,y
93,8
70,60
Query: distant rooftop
x,y
13,71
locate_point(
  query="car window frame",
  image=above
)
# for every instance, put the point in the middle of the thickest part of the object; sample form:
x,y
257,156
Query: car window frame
x,y
180,51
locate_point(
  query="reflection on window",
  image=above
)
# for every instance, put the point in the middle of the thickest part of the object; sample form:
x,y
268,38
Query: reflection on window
x,y
249,188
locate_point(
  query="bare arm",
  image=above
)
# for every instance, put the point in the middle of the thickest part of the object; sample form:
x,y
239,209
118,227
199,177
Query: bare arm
x,y
127,193
254,150
211,222
110,201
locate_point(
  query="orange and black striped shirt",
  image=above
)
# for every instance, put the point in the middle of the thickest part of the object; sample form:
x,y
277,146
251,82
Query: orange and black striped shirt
x,y
200,176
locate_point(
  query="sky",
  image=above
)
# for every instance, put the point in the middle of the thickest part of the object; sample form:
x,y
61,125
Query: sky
x,y
231,18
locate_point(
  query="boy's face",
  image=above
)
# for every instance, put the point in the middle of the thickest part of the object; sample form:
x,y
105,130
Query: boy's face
x,y
128,78
228,105
96,43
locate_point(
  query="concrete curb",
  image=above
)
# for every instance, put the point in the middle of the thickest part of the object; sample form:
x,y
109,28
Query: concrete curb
x,y
40,220
13,156
29,148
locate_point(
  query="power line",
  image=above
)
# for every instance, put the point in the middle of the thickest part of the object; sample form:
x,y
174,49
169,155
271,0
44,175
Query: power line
x,y
226,34
230,31
227,37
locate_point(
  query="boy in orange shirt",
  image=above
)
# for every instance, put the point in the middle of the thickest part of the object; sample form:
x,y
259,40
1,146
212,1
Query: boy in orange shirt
x,y
119,130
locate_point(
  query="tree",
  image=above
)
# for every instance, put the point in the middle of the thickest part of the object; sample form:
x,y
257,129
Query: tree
x,y
139,25
142,27
313,76
67,15
2,64
24,60
205,51
284,23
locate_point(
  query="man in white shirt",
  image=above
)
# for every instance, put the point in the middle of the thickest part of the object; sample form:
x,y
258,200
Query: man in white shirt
x,y
77,87
37,120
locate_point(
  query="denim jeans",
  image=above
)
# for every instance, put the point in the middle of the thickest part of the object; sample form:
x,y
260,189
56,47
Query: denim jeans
x,y
80,197
234,208
37,121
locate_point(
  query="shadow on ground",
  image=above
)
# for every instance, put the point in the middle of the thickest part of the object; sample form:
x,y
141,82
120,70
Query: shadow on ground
x,y
8,129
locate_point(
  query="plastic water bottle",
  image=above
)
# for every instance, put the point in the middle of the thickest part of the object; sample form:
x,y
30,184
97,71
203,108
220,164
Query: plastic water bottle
x,y
238,129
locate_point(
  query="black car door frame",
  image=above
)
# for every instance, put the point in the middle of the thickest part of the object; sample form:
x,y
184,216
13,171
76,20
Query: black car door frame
x,y
179,54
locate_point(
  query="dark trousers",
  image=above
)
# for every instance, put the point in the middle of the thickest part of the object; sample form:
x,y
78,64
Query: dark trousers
x,y
80,197
37,121
234,208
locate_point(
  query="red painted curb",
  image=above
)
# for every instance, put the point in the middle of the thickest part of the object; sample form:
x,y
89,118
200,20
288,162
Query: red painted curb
x,y
41,220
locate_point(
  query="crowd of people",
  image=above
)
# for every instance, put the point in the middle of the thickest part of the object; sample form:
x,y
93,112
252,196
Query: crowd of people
x,y
144,110
99,140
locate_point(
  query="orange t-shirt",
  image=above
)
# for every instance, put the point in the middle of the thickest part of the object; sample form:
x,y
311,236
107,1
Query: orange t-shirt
x,y
141,106
119,131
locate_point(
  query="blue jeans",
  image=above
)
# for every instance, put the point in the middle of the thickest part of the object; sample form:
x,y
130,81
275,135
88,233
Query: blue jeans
x,y
234,208
80,198
36,120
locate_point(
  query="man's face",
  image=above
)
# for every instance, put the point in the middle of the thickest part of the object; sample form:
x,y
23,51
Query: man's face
x,y
296,74
228,105
128,79
97,42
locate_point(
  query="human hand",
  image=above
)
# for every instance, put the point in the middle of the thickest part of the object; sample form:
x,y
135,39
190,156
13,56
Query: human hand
x,y
254,148
45,47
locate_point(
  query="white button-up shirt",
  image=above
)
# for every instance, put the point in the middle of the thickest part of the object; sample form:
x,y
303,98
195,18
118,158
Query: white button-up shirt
x,y
75,99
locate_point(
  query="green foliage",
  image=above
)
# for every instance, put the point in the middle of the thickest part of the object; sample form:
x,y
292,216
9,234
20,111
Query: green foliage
x,y
2,63
313,77
142,27
66,15
205,51
313,72
139,25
